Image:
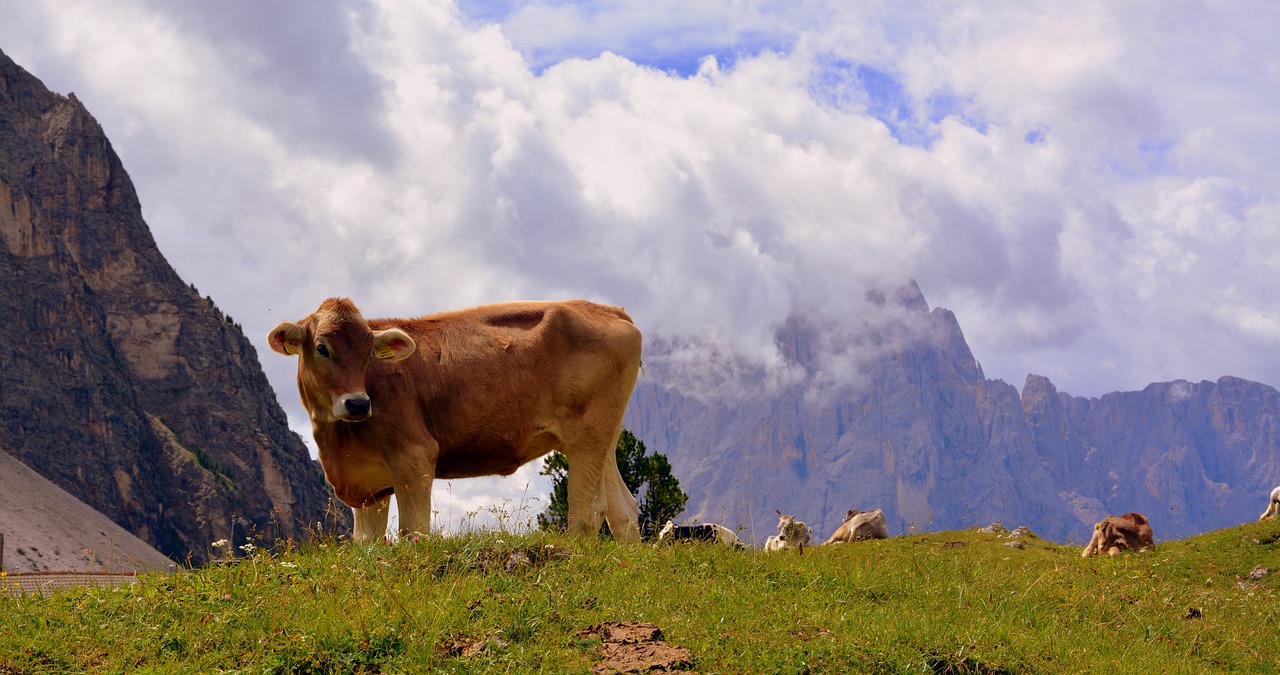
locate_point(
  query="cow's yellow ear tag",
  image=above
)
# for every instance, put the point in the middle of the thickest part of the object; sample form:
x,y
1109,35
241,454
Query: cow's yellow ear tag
x,y
385,352
290,348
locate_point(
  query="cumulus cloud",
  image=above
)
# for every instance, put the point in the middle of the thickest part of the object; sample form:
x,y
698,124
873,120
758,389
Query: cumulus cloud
x,y
1091,187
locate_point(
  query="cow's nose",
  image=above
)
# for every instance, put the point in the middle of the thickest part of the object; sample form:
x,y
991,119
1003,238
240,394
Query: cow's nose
x,y
357,405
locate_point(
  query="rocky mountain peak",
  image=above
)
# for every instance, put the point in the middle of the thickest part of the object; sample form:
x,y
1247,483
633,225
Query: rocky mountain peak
x,y
118,382
919,432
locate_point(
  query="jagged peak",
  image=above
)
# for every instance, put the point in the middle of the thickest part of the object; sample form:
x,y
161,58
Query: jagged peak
x,y
906,295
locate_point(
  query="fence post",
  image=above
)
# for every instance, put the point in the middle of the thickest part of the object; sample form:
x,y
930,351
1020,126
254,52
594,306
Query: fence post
x,y
1,551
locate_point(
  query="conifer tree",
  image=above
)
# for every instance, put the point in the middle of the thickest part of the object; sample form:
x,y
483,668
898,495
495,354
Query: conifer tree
x,y
648,477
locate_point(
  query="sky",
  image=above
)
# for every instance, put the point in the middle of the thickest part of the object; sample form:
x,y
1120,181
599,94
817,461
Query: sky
x,y
1092,187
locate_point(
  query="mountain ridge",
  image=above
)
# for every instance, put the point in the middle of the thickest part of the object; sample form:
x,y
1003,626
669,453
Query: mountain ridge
x,y
925,436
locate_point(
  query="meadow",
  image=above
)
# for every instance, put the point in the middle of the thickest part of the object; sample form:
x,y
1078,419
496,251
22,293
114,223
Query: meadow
x,y
497,602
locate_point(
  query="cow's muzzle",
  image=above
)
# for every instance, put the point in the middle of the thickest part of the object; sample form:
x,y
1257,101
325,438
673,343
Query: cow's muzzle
x,y
353,407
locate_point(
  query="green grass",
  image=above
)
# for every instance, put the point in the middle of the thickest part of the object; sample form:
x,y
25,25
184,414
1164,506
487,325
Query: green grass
x,y
920,604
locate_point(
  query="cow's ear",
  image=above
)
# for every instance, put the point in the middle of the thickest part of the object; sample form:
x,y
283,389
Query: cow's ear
x,y
286,338
392,345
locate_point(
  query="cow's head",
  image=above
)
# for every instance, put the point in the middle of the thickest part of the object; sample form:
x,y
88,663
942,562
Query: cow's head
x,y
334,347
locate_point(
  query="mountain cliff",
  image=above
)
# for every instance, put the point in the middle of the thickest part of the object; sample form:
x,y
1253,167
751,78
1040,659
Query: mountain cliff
x,y
118,382
922,434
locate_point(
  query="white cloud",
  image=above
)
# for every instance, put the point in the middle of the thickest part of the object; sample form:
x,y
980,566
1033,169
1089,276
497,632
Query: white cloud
x,y
1092,187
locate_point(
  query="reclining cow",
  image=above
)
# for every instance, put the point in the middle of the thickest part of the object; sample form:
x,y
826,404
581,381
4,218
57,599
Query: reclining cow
x,y
672,533
1273,505
397,403
1114,534
859,525
791,534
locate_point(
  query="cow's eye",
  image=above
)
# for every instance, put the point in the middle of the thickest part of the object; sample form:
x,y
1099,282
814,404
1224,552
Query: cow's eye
x,y
322,350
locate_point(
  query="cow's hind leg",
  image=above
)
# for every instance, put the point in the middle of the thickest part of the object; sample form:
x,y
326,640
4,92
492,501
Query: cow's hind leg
x,y
585,506
595,486
371,521
621,509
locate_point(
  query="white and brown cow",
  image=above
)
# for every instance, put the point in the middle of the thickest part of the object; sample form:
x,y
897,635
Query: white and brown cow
x,y
1114,534
1273,505
398,403
859,525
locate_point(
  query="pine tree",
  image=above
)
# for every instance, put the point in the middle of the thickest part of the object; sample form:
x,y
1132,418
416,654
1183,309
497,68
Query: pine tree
x,y
662,497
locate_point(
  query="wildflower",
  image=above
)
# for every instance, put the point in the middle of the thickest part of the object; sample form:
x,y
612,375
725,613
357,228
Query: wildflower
x,y
288,564
248,548
219,543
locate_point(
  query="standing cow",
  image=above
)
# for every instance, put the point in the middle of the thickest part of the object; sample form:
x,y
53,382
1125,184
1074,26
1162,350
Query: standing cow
x,y
397,403
1273,505
1114,534
859,525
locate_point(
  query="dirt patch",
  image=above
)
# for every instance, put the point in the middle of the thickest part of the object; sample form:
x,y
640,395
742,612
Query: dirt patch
x,y
467,647
633,647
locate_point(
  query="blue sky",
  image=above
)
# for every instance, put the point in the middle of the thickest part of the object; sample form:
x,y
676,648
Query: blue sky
x,y
1093,187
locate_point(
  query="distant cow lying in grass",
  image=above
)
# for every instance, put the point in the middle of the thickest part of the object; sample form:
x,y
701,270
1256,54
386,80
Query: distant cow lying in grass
x,y
672,533
1113,534
791,534
860,525
1273,505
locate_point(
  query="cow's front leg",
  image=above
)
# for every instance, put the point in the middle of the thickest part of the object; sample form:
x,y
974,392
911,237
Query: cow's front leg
x,y
371,521
413,477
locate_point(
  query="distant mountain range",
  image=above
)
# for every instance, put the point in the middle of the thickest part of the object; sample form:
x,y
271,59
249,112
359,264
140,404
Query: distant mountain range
x,y
118,382
923,435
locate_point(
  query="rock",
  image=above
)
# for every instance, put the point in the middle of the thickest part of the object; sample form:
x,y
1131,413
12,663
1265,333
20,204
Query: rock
x,y
118,382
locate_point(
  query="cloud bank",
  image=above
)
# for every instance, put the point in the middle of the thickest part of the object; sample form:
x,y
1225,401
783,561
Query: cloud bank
x,y
1091,188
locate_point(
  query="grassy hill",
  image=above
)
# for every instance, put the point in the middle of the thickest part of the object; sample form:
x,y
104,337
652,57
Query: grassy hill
x,y
948,602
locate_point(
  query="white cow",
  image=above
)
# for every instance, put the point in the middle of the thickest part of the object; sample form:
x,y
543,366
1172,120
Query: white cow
x,y
791,534
1273,505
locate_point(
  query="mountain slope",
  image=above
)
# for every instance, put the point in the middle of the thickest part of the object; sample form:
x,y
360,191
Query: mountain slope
x,y
118,382
47,529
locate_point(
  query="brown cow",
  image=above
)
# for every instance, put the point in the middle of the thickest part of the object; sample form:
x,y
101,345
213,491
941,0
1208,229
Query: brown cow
x,y
859,525
397,403
1114,534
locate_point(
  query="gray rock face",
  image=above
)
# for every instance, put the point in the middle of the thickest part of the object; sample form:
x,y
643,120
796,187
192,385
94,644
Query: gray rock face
x,y
118,382
925,437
